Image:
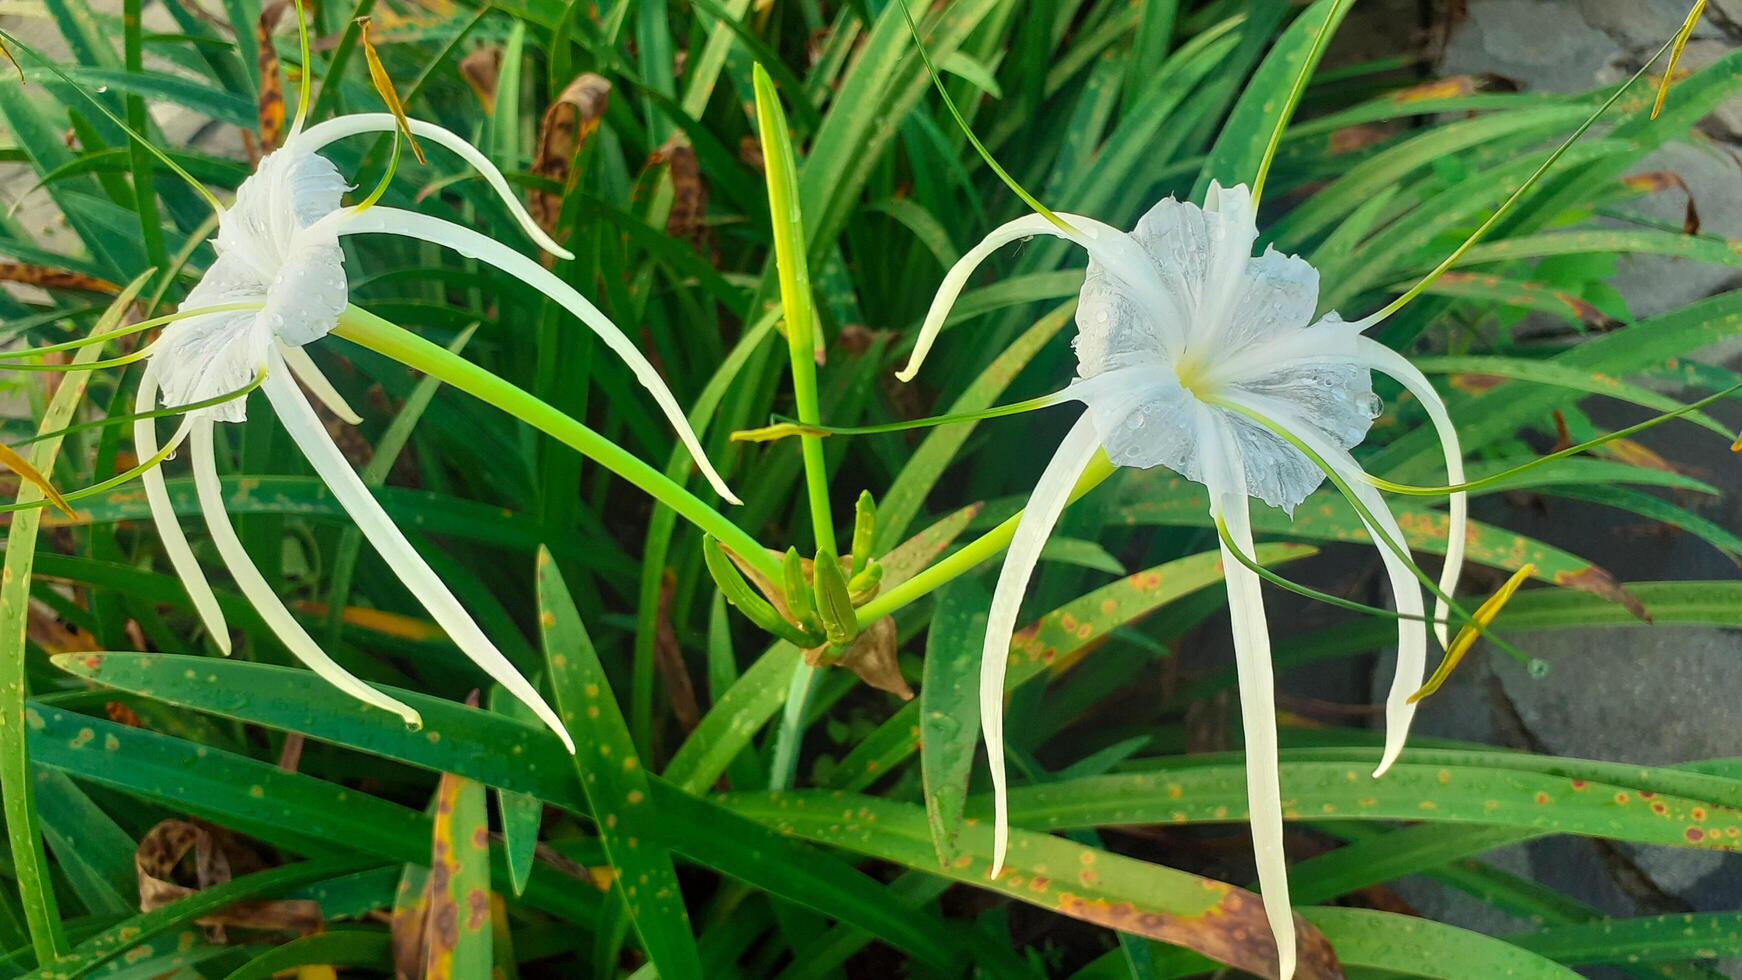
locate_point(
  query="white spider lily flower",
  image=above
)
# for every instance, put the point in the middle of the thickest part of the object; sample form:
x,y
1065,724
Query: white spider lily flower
x,y
1177,320
278,252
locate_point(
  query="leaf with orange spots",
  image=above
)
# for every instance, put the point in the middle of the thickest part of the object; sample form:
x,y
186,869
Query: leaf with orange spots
x,y
616,785
457,935
1055,643
1215,919
1161,498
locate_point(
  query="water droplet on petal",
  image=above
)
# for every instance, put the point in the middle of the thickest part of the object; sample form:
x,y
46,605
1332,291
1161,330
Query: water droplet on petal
x,y
1370,403
1101,316
1538,668
1135,421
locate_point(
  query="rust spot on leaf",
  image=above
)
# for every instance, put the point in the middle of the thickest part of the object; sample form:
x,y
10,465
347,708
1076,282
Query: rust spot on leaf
x,y
1233,932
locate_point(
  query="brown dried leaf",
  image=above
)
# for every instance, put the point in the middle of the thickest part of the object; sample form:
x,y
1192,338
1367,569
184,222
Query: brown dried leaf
x,y
271,108
409,925
679,690
45,629
750,151
872,657
1655,181
481,69
1454,87
45,278
384,86
689,192
1599,582
566,126
13,460
218,856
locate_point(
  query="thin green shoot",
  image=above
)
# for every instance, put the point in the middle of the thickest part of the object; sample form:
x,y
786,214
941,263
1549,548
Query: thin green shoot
x,y
785,427
1583,447
386,178
1327,598
305,73
1295,92
980,148
140,327
1516,196
128,419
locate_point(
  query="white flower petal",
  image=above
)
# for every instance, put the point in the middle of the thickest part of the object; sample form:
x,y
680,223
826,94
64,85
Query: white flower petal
x,y
259,594
306,371
1233,226
309,292
410,224
201,357
287,192
175,544
1116,330
1026,226
1277,297
311,437
1112,254
321,134
1406,592
1329,339
1225,479
1045,505
1383,359
1200,255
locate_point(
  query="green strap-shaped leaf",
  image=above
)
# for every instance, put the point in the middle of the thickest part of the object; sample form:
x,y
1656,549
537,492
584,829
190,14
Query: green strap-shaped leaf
x,y
35,889
1238,150
1422,947
284,808
615,784
949,708
521,812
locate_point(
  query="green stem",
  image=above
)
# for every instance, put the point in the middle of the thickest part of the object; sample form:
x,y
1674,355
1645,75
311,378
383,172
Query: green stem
x,y
784,428
1333,16
367,330
972,554
796,301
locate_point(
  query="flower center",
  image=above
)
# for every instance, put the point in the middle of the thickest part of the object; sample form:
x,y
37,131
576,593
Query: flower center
x,y
1194,376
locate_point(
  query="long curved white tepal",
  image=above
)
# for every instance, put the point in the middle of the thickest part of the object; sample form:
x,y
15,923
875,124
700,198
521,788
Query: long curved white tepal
x,y
323,454
410,224
332,130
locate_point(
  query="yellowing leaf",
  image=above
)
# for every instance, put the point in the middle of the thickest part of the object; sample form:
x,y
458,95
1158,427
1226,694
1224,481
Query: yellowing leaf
x,y
384,85
1466,637
1675,55
11,459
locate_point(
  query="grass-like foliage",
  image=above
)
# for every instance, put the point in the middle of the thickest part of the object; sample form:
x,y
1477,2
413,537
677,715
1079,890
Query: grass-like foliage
x,y
763,200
